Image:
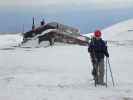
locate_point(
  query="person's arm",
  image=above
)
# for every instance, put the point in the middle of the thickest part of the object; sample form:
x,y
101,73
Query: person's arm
x,y
106,52
91,50
90,47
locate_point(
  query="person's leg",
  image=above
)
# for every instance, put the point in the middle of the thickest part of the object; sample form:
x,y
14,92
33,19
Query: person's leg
x,y
95,72
94,69
101,71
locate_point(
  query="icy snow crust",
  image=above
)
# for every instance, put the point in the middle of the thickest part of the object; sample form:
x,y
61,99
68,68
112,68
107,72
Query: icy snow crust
x,y
62,72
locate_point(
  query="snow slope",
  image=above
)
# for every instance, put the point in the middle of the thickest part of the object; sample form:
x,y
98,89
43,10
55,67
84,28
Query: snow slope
x,y
122,31
62,73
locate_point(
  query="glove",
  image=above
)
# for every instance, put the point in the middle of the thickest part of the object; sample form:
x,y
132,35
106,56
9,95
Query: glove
x,y
94,72
107,55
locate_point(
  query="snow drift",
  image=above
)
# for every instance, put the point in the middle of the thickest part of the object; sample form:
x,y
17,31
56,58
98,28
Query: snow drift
x,y
9,40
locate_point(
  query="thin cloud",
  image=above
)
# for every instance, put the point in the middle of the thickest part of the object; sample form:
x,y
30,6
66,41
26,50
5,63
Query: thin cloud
x,y
66,3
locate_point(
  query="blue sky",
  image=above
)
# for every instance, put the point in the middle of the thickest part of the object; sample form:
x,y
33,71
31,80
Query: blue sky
x,y
87,15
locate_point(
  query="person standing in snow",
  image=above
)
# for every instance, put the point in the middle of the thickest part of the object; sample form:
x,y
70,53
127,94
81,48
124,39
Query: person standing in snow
x,y
98,49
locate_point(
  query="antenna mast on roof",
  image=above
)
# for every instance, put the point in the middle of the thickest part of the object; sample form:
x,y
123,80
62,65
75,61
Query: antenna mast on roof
x,y
23,28
33,24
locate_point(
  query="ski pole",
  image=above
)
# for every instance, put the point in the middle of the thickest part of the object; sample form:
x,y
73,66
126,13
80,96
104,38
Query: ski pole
x,y
111,72
106,72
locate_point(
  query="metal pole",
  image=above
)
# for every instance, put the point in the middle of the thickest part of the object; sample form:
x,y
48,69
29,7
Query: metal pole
x,y
111,72
106,73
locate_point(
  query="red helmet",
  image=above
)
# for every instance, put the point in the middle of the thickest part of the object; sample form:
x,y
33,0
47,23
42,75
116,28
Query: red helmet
x,y
97,33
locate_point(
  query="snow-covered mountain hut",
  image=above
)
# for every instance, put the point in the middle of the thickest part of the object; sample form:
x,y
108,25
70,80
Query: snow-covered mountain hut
x,y
55,32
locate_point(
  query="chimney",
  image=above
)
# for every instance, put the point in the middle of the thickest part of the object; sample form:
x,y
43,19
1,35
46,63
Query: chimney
x,y
33,24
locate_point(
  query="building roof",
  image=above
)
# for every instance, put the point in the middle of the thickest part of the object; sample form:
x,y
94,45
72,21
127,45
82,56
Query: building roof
x,y
64,29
